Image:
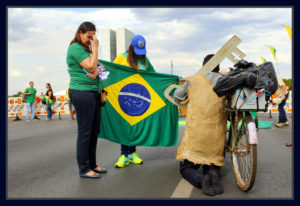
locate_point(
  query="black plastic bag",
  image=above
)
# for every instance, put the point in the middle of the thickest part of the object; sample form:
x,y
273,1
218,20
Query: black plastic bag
x,y
267,78
244,75
243,64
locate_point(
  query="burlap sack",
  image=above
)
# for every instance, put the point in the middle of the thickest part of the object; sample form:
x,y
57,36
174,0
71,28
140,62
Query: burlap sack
x,y
204,137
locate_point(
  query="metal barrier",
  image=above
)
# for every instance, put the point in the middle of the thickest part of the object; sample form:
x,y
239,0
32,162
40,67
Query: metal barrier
x,y
17,107
60,105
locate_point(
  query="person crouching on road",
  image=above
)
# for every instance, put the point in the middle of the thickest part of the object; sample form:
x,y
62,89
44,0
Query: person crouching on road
x,y
134,57
204,137
84,92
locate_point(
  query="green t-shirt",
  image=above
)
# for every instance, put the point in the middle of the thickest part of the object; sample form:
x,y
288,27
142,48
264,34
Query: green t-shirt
x,y
78,79
30,98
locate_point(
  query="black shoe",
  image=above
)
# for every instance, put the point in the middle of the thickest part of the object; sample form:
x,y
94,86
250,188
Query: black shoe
x,y
102,171
206,183
207,187
215,177
95,176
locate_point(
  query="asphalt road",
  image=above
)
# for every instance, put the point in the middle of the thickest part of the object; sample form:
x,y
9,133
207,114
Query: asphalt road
x,y
41,164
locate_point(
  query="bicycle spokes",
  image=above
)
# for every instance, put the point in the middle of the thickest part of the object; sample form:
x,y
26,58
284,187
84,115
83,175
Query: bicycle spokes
x,y
244,154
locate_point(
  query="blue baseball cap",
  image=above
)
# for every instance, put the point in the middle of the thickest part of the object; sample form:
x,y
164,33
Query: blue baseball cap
x,y
139,45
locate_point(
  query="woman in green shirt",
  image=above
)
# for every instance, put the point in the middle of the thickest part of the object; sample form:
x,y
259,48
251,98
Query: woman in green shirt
x,y
84,92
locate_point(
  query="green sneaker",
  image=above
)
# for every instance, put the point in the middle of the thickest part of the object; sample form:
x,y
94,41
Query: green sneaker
x,y
122,162
134,158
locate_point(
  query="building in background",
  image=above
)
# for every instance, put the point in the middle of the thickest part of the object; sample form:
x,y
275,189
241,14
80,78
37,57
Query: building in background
x,y
108,44
124,37
114,42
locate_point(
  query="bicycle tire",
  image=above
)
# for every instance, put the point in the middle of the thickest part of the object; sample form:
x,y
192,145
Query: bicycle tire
x,y
245,177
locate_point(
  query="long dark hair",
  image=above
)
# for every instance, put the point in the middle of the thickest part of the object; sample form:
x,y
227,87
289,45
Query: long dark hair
x,y
51,97
49,85
132,58
84,27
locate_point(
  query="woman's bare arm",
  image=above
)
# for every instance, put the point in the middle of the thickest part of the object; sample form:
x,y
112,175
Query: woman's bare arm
x,y
90,64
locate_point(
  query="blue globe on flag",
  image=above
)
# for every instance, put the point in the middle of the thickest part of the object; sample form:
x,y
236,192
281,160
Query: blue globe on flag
x,y
134,99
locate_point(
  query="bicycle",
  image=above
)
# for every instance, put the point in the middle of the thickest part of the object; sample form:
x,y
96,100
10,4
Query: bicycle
x,y
241,140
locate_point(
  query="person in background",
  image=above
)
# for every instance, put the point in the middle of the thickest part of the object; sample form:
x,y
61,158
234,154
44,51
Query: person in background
x,y
71,106
134,57
84,92
31,92
283,93
49,93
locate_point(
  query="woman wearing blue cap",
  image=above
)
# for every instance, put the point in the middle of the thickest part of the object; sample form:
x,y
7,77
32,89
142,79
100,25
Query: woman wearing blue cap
x,y
135,57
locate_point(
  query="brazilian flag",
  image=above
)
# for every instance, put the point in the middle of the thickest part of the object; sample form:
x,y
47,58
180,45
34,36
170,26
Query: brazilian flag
x,y
50,100
136,112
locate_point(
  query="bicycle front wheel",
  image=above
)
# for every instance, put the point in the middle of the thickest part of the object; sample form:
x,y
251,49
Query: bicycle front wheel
x,y
244,156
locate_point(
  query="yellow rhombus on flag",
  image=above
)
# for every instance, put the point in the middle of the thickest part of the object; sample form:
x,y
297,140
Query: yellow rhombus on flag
x,y
114,90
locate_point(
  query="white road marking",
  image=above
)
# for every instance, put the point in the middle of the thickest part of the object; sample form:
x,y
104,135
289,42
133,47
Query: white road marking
x,y
135,95
183,189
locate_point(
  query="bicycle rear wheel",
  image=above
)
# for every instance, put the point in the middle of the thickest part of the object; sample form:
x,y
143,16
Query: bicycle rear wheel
x,y
244,157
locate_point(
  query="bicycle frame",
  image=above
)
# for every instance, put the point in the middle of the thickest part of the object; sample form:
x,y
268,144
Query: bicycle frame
x,y
234,134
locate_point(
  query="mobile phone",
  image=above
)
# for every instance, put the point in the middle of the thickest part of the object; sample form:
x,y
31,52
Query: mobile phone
x,y
91,38
86,71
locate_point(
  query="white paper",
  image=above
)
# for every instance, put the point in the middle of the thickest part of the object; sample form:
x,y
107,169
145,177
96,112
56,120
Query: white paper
x,y
103,75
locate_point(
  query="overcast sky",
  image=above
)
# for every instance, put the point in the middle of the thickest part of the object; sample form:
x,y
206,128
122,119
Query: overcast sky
x,y
38,38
